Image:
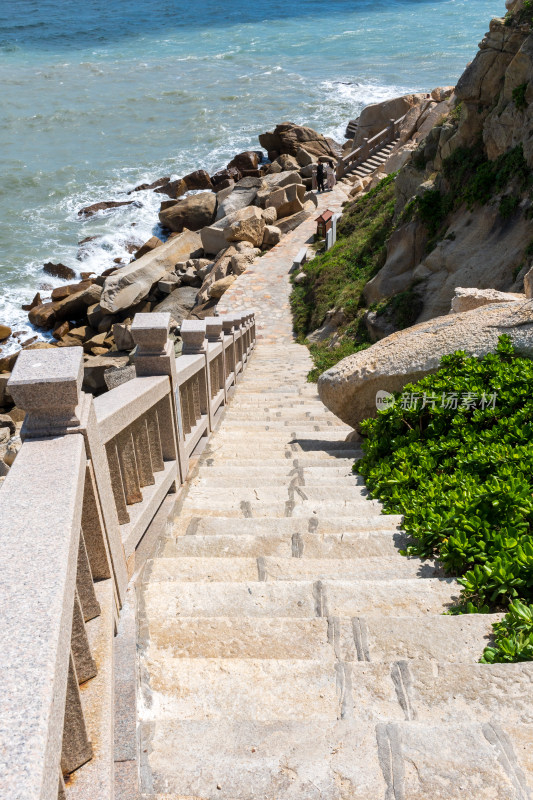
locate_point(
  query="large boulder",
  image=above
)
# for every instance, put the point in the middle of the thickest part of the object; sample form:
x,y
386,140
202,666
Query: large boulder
x,y
241,196
247,225
377,116
199,179
131,284
349,388
466,299
179,303
194,212
246,161
290,138
218,288
287,200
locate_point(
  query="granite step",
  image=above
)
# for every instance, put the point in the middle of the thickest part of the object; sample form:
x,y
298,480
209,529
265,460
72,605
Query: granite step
x,y
190,524
268,689
371,639
271,568
287,545
301,598
336,760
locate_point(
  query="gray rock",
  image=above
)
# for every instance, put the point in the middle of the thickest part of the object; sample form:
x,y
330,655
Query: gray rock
x,y
349,388
131,284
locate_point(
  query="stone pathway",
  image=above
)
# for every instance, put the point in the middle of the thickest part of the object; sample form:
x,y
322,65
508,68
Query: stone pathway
x,y
286,650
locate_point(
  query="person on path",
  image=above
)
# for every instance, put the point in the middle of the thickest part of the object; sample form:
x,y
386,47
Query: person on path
x,y
330,172
320,175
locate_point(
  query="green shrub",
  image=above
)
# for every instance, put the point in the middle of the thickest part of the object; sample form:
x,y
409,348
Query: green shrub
x,y
513,636
519,96
463,477
508,205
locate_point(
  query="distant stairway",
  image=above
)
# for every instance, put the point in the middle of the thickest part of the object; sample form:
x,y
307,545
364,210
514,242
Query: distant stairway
x,y
372,153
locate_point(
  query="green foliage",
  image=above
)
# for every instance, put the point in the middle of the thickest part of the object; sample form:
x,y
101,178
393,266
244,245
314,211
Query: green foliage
x,y
463,477
473,179
433,208
519,96
403,308
336,279
325,356
508,205
455,113
513,636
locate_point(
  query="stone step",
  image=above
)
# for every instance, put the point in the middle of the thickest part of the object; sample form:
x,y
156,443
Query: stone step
x,y
301,598
456,639
339,760
373,638
244,689
234,637
212,496
282,473
271,568
284,545
344,483
314,458
202,525
242,509
267,689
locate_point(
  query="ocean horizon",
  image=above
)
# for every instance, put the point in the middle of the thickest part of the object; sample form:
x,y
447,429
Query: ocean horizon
x,y
101,97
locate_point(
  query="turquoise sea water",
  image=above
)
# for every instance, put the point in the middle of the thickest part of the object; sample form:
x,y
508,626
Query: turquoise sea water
x,y
101,95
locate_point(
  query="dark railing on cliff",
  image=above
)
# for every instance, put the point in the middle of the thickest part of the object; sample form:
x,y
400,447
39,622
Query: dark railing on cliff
x,y
369,147
82,492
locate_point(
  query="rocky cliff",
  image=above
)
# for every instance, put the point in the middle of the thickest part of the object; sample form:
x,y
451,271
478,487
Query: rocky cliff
x,y
463,212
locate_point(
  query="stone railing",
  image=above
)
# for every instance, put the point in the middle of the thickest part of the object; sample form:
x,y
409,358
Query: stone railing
x,y
88,480
369,147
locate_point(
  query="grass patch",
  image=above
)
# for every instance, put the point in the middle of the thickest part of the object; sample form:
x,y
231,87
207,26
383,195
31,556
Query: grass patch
x,y
463,478
403,308
519,97
336,279
326,356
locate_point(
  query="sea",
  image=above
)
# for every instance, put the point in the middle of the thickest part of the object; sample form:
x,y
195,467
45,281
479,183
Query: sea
x,y
99,96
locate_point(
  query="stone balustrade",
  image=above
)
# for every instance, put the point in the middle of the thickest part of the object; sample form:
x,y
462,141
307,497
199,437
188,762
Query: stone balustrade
x,y
82,492
369,147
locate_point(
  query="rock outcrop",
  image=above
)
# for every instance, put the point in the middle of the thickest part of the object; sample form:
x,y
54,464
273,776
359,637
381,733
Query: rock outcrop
x,y
349,388
132,283
288,138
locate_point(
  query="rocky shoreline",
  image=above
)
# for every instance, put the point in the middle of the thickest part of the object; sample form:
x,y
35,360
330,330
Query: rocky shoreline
x,y
214,227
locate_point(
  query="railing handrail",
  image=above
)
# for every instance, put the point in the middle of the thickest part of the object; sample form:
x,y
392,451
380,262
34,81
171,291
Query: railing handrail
x,y
120,407
87,482
385,136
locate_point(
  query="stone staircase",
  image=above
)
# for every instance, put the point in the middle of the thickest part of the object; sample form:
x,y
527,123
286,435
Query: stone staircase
x,y
287,651
373,163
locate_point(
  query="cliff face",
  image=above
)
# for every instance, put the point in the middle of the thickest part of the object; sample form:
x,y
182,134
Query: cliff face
x,y
464,199
475,231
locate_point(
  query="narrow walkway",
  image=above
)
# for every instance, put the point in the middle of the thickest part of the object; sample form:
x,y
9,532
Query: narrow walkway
x,y
286,650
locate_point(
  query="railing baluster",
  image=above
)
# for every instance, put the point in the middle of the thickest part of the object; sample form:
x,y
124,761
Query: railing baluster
x,y
94,529
156,453
117,482
166,429
128,468
141,443
85,585
77,749
81,651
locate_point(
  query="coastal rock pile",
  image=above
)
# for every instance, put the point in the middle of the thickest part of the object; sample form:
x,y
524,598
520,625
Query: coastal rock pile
x,y
214,227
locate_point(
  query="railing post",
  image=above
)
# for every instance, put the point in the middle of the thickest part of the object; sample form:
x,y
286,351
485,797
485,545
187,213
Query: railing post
x,y
193,334
215,340
230,354
155,356
47,385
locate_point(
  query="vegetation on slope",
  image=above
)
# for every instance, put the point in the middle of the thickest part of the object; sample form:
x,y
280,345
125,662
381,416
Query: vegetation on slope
x,y
336,279
463,478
